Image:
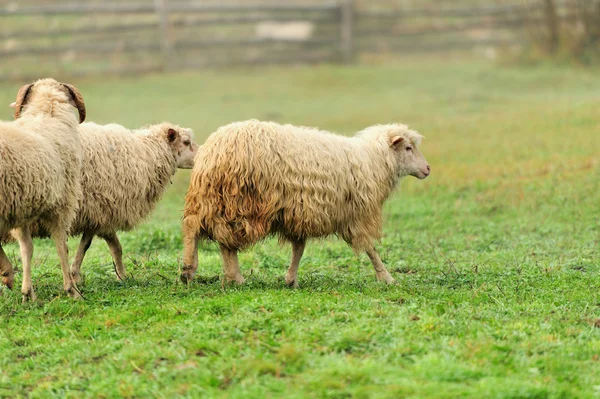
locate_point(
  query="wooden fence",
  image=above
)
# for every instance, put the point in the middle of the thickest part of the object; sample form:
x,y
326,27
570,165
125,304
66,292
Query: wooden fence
x,y
73,39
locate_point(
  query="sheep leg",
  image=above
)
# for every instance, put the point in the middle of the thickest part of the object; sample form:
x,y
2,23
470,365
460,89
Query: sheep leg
x,y
190,255
380,270
291,277
231,266
117,254
23,235
60,241
6,270
84,245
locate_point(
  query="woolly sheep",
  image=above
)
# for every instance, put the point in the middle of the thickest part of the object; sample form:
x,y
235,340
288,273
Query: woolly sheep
x,y
124,175
40,162
253,179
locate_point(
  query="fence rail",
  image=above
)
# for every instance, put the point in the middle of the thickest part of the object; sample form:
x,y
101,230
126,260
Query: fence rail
x,y
119,37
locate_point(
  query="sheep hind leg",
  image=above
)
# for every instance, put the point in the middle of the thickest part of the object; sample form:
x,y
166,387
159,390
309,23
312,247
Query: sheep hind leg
x,y
6,270
23,235
60,241
291,277
117,254
190,255
231,266
84,245
380,270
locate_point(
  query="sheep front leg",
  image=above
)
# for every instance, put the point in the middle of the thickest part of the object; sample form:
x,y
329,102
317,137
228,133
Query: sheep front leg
x,y
23,235
6,270
231,266
84,245
60,241
117,254
291,277
190,255
380,270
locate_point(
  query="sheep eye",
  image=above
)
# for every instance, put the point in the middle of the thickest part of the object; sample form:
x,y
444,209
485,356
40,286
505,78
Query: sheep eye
x,y
186,142
408,148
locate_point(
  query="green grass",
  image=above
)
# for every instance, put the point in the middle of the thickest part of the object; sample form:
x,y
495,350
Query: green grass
x,y
496,253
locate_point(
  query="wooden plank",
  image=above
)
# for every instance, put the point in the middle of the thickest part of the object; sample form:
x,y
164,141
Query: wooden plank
x,y
92,48
449,12
78,8
86,30
198,6
250,19
436,30
243,7
176,22
432,47
191,44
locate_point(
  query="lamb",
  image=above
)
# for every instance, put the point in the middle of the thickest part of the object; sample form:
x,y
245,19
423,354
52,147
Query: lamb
x,y
40,162
253,179
124,175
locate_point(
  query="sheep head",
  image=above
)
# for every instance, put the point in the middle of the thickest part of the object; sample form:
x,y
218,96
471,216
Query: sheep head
x,y
404,143
27,91
181,142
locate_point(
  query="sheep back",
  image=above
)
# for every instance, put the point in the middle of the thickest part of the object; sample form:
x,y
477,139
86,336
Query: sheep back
x,y
123,176
40,163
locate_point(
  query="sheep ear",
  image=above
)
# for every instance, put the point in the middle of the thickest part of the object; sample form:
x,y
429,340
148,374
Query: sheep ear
x,y
396,141
77,99
22,98
172,135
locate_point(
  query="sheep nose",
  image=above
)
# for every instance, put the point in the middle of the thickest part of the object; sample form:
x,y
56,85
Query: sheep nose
x,y
426,171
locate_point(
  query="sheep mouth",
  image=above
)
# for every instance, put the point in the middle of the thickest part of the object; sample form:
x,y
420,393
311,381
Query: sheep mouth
x,y
421,174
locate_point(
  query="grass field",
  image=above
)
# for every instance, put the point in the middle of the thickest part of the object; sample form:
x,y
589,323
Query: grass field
x,y
496,254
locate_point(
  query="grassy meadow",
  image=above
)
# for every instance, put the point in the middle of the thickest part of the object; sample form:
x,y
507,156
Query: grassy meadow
x,y
496,254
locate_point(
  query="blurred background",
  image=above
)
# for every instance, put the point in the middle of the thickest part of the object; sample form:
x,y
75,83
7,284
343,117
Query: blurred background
x,y
497,252
86,37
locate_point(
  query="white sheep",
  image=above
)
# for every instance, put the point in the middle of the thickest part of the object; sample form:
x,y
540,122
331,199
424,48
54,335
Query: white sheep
x,y
40,163
253,179
124,175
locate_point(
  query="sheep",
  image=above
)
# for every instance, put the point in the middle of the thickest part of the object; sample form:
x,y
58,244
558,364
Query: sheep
x,y
40,162
124,175
253,179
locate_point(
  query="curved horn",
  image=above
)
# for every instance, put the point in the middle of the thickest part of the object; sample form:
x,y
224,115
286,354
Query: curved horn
x,y
22,98
78,99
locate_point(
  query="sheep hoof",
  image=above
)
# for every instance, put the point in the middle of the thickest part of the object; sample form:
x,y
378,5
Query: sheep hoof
x,y
73,292
29,296
120,272
238,280
8,281
386,278
186,278
291,282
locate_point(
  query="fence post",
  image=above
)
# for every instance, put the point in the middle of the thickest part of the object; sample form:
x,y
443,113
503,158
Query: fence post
x,y
552,23
346,28
165,42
